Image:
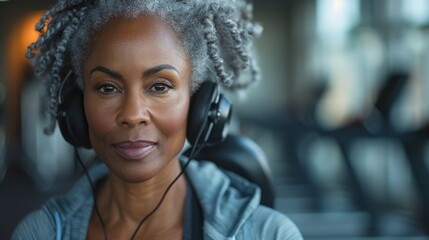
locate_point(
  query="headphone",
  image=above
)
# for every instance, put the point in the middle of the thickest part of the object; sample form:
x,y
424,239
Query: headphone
x,y
208,117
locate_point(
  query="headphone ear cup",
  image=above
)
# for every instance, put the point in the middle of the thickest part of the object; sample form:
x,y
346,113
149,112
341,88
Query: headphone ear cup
x,y
220,117
71,117
209,115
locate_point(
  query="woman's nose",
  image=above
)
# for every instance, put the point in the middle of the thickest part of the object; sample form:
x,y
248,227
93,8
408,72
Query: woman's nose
x,y
133,111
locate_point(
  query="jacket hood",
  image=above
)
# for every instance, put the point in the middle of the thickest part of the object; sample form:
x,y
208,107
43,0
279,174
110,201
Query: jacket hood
x,y
227,200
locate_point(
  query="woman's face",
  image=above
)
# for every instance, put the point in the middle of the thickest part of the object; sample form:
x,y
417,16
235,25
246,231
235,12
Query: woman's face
x,y
136,95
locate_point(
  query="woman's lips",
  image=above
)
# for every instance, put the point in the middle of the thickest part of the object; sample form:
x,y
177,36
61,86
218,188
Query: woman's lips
x,y
134,150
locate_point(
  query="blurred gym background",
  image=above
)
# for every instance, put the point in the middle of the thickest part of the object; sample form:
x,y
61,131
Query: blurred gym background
x,y
340,112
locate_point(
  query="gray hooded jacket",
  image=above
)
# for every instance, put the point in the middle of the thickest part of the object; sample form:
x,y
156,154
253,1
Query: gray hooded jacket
x,y
229,203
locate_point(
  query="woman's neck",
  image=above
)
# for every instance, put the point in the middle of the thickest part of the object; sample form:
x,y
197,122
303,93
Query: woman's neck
x,y
123,205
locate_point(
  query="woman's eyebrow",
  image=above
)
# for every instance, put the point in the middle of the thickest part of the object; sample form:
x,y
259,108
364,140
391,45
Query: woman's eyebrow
x,y
108,72
158,68
147,73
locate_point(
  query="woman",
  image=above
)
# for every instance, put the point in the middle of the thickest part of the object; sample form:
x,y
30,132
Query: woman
x,y
138,62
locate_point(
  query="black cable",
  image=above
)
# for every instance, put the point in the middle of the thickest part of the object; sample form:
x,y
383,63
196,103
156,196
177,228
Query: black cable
x,y
194,151
191,155
162,198
93,193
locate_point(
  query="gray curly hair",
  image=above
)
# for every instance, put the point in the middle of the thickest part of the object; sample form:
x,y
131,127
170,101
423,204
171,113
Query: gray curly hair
x,y
217,35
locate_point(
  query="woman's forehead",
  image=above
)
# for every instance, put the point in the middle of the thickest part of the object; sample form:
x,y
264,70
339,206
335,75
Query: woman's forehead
x,y
131,46
145,34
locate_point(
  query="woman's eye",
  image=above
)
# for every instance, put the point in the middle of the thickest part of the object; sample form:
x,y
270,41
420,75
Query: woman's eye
x,y
160,88
107,89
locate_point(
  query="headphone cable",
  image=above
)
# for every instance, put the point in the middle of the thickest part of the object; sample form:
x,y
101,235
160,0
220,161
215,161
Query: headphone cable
x,y
93,193
191,155
194,151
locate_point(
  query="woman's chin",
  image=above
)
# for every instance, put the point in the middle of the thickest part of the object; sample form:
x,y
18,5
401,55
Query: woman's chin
x,y
138,171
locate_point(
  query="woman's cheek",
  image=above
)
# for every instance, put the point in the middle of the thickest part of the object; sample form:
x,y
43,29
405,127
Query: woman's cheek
x,y
173,119
99,119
